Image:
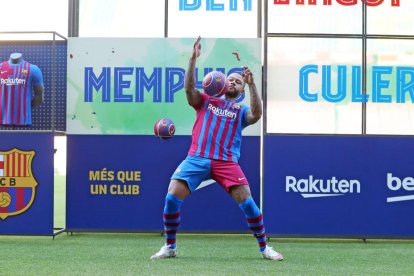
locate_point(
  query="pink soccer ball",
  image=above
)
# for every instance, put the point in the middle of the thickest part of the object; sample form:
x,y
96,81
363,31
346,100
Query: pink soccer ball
x,y
215,84
164,128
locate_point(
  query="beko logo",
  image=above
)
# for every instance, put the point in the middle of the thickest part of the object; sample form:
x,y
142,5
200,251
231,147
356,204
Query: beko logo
x,y
395,183
313,187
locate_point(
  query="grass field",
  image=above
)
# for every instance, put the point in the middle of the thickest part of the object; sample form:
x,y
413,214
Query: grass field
x,y
129,254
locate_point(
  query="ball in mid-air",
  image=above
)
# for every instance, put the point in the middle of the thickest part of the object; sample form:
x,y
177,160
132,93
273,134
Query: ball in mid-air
x,y
215,84
164,128
5,199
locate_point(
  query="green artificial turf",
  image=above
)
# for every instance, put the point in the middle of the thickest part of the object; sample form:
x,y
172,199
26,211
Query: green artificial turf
x,y
129,254
198,254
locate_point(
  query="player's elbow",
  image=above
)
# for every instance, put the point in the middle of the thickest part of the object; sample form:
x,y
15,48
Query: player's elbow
x,y
193,98
257,113
188,89
254,117
190,94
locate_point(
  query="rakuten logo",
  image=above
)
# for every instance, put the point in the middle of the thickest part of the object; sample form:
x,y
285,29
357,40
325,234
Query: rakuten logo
x,y
395,183
222,112
369,3
15,81
310,187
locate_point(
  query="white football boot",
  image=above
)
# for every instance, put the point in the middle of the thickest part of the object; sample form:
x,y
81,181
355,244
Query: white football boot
x,y
165,252
270,254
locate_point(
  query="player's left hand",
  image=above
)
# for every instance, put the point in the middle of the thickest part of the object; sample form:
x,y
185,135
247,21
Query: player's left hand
x,y
247,75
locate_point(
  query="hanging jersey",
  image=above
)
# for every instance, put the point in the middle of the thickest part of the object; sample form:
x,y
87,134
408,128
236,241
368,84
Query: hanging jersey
x,y
16,92
217,131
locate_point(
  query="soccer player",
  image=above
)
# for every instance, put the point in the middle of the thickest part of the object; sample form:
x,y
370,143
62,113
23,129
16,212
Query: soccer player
x,y
21,89
214,154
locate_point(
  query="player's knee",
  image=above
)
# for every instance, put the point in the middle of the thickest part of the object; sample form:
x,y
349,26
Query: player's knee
x,y
179,188
240,193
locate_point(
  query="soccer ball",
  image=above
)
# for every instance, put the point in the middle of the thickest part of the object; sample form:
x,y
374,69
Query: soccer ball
x,y
164,128
215,84
5,200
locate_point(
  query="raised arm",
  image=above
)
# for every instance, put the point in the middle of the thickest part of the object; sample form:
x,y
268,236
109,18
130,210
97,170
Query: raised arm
x,y
256,110
193,95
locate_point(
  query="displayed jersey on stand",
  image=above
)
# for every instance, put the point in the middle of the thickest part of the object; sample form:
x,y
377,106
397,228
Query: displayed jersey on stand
x,y
17,82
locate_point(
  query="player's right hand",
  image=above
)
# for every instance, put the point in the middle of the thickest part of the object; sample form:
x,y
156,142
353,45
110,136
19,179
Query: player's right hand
x,y
197,47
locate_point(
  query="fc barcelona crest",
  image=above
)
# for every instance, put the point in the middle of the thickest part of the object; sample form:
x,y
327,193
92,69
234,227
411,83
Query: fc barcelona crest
x,y
17,182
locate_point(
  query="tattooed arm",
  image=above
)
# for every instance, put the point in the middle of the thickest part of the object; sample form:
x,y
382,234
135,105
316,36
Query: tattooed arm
x,y
193,95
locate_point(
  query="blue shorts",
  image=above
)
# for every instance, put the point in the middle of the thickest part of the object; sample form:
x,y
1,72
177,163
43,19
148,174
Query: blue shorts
x,y
195,170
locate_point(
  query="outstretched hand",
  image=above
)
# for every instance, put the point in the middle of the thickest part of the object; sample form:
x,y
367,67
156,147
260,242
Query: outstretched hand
x,y
197,48
247,75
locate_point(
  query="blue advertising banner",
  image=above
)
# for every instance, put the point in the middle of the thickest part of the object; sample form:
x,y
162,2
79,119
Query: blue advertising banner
x,y
26,183
120,183
349,186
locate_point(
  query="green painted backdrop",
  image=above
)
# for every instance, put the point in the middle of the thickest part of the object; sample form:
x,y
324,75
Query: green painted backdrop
x,y
98,117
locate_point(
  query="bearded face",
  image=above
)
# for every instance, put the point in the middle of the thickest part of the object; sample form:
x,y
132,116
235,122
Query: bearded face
x,y
236,85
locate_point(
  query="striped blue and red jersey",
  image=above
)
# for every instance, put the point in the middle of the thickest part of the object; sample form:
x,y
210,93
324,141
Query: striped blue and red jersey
x,y
217,131
16,91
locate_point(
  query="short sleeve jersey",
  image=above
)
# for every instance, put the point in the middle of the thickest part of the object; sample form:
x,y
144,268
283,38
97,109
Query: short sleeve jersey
x,y
16,91
217,131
